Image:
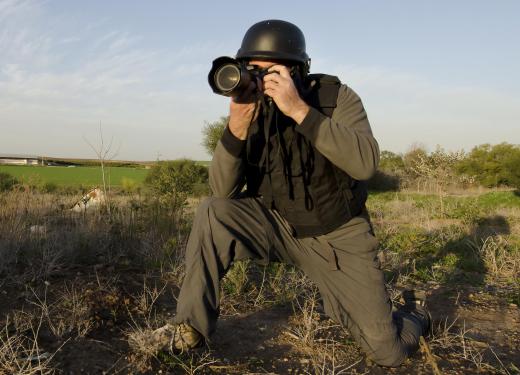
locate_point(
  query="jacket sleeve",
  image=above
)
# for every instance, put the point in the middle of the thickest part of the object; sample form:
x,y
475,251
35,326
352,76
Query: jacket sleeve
x,y
345,139
226,172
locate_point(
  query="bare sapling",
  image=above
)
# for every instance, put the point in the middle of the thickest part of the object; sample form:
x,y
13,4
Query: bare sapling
x,y
104,153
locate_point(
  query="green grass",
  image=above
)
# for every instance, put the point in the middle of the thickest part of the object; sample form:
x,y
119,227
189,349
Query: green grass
x,y
492,199
75,176
205,163
499,199
453,251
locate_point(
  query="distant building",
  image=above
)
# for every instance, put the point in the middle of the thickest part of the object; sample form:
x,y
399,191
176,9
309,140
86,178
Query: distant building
x,y
13,159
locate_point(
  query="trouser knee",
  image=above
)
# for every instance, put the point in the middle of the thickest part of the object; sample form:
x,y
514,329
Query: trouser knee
x,y
204,207
219,207
208,230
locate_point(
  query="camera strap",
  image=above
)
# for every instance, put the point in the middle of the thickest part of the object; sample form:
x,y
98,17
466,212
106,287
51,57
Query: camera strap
x,y
269,109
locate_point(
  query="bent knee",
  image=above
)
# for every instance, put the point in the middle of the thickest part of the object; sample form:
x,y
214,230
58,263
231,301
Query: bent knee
x,y
219,207
204,205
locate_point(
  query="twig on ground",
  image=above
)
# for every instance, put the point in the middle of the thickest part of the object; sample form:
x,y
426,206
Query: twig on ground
x,y
425,348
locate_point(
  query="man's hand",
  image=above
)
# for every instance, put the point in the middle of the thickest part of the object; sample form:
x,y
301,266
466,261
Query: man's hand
x,y
279,85
241,112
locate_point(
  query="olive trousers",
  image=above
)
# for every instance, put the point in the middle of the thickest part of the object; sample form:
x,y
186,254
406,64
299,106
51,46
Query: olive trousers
x,y
350,281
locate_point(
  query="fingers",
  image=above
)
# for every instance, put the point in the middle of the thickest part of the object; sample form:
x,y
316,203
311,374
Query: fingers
x,y
271,79
277,80
272,82
282,70
278,75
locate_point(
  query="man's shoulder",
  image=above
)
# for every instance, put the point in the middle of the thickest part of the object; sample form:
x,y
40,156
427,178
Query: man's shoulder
x,y
347,93
343,95
324,79
329,79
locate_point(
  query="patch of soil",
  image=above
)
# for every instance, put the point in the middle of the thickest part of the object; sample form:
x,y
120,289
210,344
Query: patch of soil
x,y
263,341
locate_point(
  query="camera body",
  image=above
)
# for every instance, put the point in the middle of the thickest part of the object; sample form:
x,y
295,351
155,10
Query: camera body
x,y
230,77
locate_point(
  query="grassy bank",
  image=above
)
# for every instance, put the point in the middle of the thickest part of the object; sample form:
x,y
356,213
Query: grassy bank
x,y
75,176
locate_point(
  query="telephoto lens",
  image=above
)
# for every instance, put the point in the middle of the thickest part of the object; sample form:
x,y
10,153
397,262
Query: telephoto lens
x,y
228,77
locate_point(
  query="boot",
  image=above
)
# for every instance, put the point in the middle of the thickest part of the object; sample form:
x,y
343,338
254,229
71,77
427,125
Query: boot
x,y
175,337
415,304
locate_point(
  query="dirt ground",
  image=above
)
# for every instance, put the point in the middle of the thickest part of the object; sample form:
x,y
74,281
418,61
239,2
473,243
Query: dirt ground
x,y
476,331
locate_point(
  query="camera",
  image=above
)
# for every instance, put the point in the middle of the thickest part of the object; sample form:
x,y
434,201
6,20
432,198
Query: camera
x,y
230,77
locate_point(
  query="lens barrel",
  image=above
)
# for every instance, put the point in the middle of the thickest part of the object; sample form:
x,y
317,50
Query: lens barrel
x,y
228,77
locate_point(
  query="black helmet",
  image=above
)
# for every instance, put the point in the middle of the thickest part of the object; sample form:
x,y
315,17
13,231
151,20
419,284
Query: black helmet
x,y
274,39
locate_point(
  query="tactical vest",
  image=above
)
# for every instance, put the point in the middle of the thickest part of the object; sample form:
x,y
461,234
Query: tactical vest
x,y
293,177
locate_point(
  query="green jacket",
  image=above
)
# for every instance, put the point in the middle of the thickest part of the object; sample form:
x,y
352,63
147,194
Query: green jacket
x,y
345,139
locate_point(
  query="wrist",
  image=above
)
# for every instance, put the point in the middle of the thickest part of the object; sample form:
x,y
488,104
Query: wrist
x,y
300,112
238,131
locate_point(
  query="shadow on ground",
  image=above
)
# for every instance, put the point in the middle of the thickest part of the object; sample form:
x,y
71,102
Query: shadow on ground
x,y
464,301
251,342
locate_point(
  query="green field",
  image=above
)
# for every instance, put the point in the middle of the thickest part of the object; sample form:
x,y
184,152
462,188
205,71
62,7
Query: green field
x,y
70,176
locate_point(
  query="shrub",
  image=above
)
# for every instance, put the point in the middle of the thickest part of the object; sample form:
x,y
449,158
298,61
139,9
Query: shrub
x,y
391,163
172,181
49,187
493,165
7,181
212,132
129,185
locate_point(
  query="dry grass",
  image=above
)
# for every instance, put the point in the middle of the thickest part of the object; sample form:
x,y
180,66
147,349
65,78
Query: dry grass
x,y
143,325
100,275
21,355
453,339
503,262
68,316
20,352
323,342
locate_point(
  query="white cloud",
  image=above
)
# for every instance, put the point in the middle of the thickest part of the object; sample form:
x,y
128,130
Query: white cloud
x,y
13,8
136,92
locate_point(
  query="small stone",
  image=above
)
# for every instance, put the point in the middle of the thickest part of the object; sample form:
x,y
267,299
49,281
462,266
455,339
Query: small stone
x,y
286,359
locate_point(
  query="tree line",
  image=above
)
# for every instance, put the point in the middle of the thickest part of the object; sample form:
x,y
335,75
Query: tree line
x,y
485,165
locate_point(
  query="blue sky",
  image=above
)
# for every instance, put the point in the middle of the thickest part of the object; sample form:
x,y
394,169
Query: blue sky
x,y
432,73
